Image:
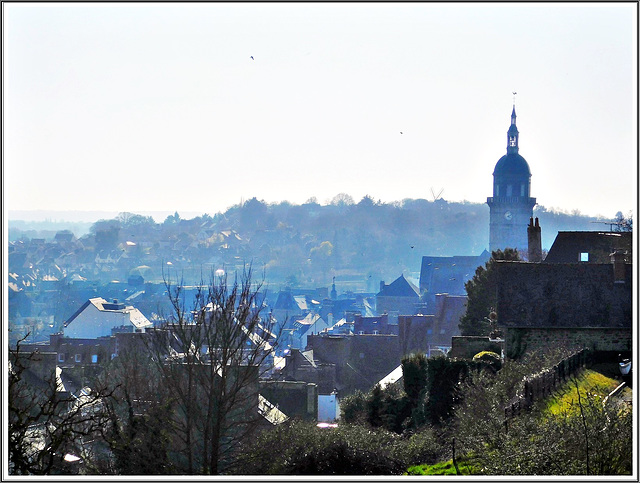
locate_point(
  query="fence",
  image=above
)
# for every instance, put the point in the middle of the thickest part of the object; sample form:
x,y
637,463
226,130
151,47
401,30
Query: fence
x,y
542,384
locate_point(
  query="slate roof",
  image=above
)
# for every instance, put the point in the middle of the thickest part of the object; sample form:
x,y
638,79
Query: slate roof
x,y
400,287
568,246
286,301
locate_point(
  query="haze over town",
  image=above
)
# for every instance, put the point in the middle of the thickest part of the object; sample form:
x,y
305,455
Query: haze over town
x,y
192,108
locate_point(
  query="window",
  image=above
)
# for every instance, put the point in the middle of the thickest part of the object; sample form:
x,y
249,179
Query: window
x,y
522,189
584,257
61,357
94,358
78,357
509,190
429,331
361,332
375,332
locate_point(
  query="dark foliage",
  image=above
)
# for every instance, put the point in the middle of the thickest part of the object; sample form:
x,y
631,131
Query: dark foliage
x,y
482,292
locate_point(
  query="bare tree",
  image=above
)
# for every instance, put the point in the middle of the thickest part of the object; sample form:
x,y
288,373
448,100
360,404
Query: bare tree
x,y
136,427
45,423
210,358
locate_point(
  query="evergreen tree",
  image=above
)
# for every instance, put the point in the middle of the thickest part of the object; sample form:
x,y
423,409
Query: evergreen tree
x,y
482,295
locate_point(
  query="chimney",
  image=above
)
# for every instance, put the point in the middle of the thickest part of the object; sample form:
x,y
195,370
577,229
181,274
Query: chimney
x,y
617,259
534,236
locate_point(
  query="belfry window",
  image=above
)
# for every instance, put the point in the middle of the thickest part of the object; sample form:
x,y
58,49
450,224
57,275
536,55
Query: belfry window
x,y
509,190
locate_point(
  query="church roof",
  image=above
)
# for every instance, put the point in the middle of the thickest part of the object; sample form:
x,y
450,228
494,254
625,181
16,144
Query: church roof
x,y
512,164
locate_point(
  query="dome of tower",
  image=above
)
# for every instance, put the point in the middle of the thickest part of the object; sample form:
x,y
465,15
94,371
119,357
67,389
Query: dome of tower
x,y
512,164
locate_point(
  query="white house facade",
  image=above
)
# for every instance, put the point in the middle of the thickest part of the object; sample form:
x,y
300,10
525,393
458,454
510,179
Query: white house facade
x,y
98,318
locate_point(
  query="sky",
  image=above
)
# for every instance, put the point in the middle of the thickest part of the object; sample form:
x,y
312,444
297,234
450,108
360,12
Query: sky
x,y
196,107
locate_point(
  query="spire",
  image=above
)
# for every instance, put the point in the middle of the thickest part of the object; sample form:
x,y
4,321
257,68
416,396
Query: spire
x,y
512,133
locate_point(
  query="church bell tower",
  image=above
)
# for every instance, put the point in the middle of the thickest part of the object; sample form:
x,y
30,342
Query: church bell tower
x,y
510,207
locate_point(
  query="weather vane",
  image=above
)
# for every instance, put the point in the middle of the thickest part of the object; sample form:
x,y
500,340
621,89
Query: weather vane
x,y
514,98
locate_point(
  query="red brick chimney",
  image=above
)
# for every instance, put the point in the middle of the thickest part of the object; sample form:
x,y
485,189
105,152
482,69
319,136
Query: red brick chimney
x,y
534,235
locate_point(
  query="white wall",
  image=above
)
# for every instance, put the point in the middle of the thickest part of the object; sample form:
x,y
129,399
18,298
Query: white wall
x,y
328,408
92,323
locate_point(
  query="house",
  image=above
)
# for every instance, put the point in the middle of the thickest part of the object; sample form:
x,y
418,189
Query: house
x,y
373,325
449,309
429,332
360,360
302,328
447,275
99,318
288,308
400,296
575,305
588,246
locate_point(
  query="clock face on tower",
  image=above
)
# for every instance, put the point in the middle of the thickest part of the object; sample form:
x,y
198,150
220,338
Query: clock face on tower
x,y
508,215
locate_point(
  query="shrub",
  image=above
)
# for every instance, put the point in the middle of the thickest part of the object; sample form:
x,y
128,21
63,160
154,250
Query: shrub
x,y
491,358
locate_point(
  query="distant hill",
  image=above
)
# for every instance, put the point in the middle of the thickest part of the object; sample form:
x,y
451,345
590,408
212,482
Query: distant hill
x,y
358,243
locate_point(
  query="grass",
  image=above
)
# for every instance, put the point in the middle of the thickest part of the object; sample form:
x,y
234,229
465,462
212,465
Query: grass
x,y
590,383
465,466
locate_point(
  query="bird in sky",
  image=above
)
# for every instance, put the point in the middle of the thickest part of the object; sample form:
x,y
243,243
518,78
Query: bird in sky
x,y
252,58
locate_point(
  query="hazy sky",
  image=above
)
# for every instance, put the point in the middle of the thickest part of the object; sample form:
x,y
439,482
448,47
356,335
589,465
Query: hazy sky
x,y
193,107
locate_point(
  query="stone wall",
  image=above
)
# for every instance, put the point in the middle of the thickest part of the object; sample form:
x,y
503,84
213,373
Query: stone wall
x,y
562,295
542,384
519,340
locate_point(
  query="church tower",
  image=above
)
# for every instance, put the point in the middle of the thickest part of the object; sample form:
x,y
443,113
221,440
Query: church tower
x,y
510,207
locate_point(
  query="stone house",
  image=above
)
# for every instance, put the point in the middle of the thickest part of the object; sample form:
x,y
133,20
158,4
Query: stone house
x,y
576,305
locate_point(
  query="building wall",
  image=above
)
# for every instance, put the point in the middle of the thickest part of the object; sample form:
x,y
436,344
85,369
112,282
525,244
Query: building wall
x,y
509,233
361,360
296,399
402,305
528,339
416,333
92,323
562,295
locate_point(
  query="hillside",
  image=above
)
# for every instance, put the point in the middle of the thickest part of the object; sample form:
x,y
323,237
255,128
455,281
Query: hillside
x,y
305,245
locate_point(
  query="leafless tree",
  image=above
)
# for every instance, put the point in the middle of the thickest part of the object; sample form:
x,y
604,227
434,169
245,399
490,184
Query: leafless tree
x,y
45,423
210,357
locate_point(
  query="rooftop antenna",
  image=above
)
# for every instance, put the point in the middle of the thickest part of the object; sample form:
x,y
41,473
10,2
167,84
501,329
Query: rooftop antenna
x,y
610,223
